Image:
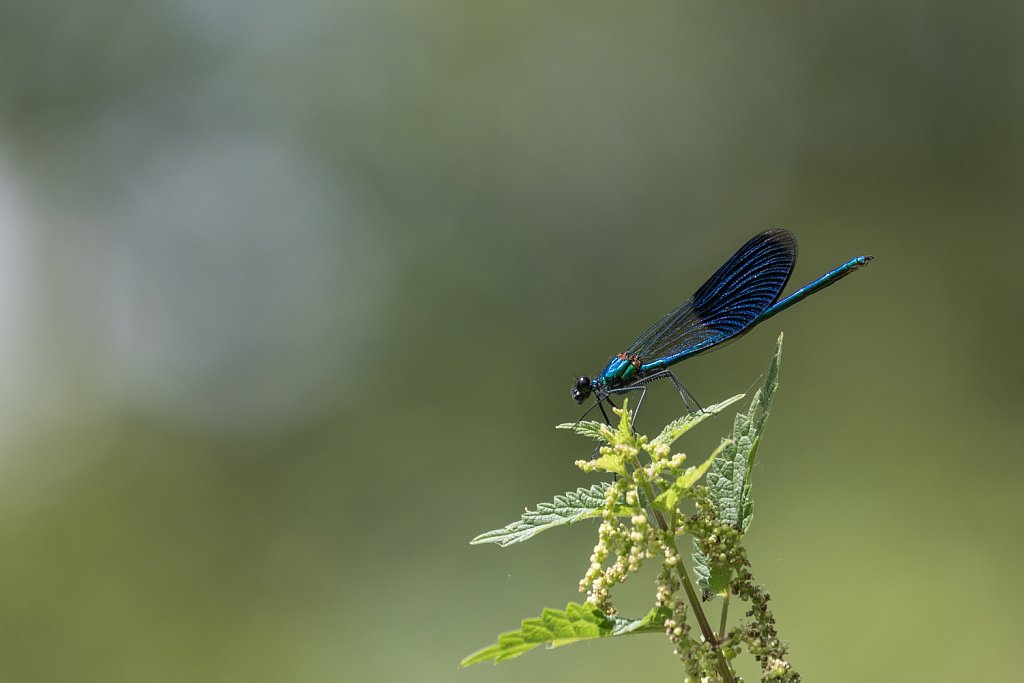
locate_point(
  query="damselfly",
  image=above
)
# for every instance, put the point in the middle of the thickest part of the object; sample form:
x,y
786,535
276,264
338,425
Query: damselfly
x,y
742,293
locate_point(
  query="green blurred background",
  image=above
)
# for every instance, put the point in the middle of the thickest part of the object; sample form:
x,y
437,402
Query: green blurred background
x,y
292,296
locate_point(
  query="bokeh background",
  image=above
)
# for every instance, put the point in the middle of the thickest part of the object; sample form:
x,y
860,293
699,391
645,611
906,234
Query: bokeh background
x,y
292,295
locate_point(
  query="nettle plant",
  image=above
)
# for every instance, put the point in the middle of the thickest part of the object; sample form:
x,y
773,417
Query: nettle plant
x,y
642,518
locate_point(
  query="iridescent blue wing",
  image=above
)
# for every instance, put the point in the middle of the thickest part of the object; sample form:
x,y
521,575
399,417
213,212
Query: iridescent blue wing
x,y
725,306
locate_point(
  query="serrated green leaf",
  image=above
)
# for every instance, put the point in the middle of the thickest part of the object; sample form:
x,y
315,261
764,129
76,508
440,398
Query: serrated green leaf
x,y
610,461
556,628
747,506
680,426
625,422
565,509
729,478
714,581
598,431
670,498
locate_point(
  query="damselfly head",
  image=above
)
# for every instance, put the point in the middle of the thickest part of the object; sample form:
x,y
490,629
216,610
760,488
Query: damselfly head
x,y
581,389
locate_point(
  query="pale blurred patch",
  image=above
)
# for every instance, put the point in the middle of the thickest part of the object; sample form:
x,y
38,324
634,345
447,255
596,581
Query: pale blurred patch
x,y
238,291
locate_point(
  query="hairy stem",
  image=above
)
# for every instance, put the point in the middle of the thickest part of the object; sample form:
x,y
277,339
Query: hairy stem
x,y
725,615
684,576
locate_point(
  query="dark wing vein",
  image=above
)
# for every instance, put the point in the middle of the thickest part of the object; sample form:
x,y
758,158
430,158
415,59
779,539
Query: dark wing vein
x,y
727,303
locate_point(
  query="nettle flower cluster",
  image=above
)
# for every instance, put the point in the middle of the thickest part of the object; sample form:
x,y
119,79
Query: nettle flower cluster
x,y
627,533
642,517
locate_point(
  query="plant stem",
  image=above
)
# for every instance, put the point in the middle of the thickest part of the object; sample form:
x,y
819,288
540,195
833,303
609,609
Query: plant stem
x,y
705,627
725,614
